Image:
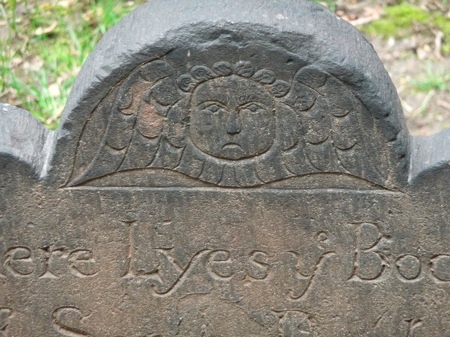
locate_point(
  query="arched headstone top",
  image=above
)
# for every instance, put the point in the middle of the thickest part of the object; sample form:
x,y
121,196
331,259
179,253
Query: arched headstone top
x,y
227,94
234,95
213,151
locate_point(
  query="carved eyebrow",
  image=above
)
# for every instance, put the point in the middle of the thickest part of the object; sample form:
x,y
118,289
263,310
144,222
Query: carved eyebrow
x,y
258,104
205,104
254,97
248,98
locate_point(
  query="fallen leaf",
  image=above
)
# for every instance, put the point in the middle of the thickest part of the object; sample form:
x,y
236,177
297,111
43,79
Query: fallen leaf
x,y
46,30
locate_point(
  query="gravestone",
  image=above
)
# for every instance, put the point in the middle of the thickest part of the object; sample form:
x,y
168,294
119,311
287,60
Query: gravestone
x,y
225,168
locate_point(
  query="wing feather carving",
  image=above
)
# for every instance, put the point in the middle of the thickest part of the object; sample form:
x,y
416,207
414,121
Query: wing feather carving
x,y
145,122
135,117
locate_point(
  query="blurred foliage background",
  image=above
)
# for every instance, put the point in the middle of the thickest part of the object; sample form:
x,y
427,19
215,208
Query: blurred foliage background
x,y
43,44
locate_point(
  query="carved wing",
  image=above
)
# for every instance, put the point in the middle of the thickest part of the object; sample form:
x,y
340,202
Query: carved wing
x,y
337,133
127,124
323,128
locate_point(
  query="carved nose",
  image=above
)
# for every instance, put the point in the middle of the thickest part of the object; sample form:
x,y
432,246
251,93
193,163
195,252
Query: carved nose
x,y
233,123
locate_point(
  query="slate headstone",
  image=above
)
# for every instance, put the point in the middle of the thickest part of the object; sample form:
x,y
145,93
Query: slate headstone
x,y
225,168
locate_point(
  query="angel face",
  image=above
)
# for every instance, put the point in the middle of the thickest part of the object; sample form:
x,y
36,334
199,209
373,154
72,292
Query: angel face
x,y
232,118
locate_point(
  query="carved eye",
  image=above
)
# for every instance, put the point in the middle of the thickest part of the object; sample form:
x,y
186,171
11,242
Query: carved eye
x,y
253,107
212,108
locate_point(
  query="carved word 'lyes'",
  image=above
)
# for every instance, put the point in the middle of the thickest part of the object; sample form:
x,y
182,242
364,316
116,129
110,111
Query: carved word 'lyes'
x,y
48,262
166,274
373,261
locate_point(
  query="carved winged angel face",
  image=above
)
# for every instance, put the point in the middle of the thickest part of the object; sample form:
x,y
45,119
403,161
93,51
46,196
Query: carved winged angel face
x,y
232,118
234,125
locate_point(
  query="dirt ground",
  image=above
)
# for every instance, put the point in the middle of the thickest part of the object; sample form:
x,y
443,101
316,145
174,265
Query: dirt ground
x,y
409,61
426,112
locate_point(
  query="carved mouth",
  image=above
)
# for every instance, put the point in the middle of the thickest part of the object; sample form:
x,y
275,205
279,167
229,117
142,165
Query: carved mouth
x,y
232,146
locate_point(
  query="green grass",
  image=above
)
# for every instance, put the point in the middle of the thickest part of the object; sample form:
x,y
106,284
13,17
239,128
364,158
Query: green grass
x,y
43,45
404,20
434,79
398,20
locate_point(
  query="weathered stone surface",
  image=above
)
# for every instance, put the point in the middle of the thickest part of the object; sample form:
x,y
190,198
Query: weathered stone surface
x,y
225,168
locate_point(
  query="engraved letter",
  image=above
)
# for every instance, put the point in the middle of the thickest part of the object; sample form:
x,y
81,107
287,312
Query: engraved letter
x,y
309,278
294,324
413,324
131,268
370,258
219,265
48,254
175,279
130,250
440,268
18,261
258,267
408,267
82,263
5,316
66,321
